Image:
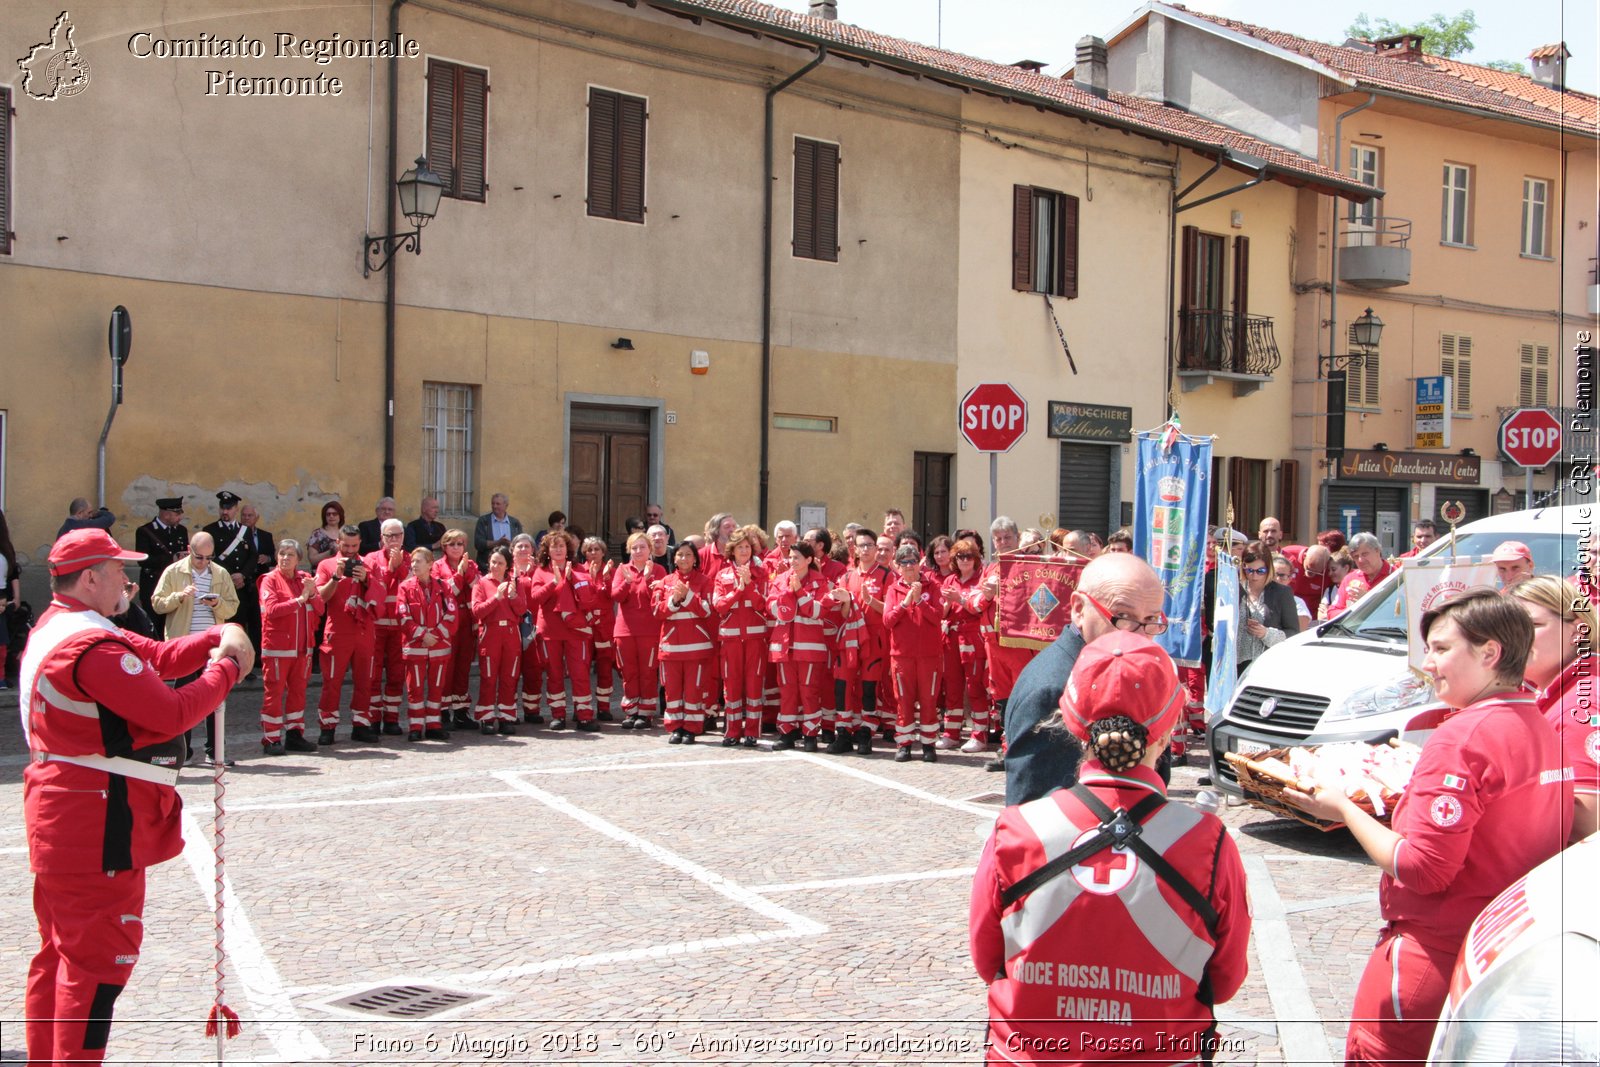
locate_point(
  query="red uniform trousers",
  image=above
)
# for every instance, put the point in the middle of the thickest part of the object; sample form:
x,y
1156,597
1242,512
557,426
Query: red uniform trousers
x,y
603,652
916,683
640,678
532,675
803,687
1004,664
771,701
744,664
342,652
567,659
458,679
688,684
965,685
1194,710
389,668
90,929
425,675
1398,1001
499,663
283,691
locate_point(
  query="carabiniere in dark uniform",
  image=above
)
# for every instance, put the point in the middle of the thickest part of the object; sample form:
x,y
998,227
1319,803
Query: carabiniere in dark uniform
x,y
164,544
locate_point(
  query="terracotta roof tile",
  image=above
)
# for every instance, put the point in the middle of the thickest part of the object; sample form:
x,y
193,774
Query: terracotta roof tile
x,y
1116,109
1435,78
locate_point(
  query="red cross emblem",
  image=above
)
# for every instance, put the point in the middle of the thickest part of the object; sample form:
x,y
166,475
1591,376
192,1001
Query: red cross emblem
x,y
1107,871
1104,863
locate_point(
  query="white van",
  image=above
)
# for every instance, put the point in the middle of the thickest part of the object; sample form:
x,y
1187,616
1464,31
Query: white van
x,y
1347,679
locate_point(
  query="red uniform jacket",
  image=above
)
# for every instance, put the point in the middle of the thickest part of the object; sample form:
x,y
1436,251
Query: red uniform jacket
x,y
630,592
872,640
1568,704
568,604
960,621
1106,955
288,627
605,619
94,690
389,580
686,630
491,612
741,612
425,609
917,630
798,618
354,607
460,588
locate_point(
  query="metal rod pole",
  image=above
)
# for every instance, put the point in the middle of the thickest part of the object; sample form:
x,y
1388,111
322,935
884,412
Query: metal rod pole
x,y
994,486
1527,487
105,432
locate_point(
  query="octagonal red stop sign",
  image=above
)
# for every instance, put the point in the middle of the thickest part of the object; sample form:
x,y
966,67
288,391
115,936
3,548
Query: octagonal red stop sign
x,y
993,417
1530,437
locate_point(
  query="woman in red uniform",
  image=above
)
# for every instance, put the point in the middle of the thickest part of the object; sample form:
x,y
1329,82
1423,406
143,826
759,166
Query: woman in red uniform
x,y
861,662
290,610
637,632
966,670
426,607
739,596
1105,955
567,602
913,617
1563,673
498,605
602,648
800,605
531,669
458,572
1487,803
683,604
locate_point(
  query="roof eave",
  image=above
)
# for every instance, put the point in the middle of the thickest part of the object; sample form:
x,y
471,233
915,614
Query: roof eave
x,y
1549,125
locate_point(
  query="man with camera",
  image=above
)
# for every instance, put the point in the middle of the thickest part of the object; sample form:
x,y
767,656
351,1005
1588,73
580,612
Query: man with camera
x,y
195,594
354,600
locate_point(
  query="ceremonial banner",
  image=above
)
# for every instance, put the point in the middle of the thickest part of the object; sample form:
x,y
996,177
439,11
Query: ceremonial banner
x,y
1224,637
1171,513
1429,581
1034,599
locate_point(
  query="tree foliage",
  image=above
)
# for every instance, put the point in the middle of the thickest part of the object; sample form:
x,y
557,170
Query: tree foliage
x,y
1442,35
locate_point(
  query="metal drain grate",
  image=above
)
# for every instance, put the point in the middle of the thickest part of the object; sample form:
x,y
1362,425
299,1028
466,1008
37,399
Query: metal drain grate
x,y
997,799
406,1001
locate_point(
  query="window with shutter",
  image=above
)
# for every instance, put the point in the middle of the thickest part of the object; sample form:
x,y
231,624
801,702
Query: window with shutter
x,y
616,155
1534,390
1288,497
1361,382
816,199
1455,362
458,124
5,171
1044,242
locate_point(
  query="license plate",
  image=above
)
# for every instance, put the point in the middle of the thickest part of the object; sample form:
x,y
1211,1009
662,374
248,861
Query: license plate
x,y
1247,748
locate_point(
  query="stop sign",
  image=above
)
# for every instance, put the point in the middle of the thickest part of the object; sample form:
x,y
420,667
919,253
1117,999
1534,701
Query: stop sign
x,y
1530,437
993,417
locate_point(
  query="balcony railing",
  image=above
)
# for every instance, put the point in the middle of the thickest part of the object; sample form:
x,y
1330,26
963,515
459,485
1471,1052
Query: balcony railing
x,y
1220,341
1374,253
1381,231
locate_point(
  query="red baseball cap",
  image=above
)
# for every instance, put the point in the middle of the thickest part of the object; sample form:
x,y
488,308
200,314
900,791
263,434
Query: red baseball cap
x,y
80,549
1510,552
1122,674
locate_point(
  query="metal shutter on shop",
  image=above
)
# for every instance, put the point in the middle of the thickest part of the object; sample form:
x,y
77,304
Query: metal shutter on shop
x,y
1368,500
1085,490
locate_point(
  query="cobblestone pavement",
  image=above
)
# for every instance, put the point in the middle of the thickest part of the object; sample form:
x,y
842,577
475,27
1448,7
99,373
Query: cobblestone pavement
x,y
609,899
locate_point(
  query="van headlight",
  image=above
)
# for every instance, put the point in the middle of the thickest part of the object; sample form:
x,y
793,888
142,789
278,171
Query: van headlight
x,y
1404,691
1538,1008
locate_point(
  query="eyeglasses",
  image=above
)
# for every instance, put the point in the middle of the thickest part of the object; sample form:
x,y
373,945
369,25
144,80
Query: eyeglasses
x,y
1254,570
1124,621
198,558
965,555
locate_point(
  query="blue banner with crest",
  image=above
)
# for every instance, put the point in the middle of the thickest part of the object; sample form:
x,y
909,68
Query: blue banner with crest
x,y
1171,515
1224,637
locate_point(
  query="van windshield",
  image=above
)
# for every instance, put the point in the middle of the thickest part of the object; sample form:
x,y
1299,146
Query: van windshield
x,y
1381,614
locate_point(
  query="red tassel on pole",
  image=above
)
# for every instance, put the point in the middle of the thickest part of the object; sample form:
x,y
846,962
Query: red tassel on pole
x,y
227,1013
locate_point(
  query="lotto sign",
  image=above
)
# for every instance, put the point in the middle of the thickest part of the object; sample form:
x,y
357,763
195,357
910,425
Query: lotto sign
x,y
1432,424
993,417
1530,437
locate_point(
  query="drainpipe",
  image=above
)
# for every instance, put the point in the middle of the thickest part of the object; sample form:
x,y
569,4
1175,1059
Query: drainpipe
x,y
389,290
1333,286
766,281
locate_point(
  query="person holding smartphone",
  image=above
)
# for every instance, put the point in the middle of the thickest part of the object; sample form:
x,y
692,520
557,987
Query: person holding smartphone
x,y
195,594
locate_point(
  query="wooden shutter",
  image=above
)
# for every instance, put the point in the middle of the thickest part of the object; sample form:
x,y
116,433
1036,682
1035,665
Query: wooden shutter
x,y
472,133
603,153
1069,247
1022,238
1535,378
441,148
630,158
805,198
827,202
5,170
1241,300
1238,490
1455,361
1288,497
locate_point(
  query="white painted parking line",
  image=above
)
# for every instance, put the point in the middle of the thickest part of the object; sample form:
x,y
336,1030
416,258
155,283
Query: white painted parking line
x,y
670,765
839,767
252,972
1300,1032
436,798
870,879
597,959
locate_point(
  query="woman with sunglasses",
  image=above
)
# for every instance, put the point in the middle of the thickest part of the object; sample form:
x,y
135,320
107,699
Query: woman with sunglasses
x,y
739,595
683,604
913,617
637,632
498,605
567,602
458,573
1267,613
965,665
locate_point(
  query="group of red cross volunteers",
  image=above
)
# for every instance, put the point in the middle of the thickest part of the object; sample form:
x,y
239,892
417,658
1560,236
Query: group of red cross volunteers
x,y
1106,922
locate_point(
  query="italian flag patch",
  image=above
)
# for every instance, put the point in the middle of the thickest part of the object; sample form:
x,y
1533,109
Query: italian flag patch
x,y
1452,782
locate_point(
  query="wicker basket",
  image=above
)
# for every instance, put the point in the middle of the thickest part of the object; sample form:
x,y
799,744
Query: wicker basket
x,y
1263,787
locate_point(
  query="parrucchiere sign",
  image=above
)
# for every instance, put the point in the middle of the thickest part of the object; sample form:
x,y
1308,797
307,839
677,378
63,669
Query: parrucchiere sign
x,y
1367,465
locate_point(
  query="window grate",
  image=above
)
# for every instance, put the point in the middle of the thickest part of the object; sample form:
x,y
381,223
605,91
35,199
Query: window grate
x,y
448,440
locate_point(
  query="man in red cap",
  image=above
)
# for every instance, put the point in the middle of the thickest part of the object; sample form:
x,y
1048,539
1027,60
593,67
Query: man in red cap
x,y
1107,921
99,797
1513,561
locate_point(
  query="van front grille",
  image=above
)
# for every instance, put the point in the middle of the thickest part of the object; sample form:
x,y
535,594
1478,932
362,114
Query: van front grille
x,y
1291,716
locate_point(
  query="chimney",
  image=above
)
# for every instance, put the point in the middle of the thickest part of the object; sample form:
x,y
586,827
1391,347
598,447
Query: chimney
x,y
1089,73
1550,65
1400,46
825,9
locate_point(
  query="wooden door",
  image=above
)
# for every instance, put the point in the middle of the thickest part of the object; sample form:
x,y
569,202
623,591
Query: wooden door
x,y
609,453
930,494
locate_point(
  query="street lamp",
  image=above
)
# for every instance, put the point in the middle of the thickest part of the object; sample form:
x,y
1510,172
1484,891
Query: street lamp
x,y
420,190
1365,333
